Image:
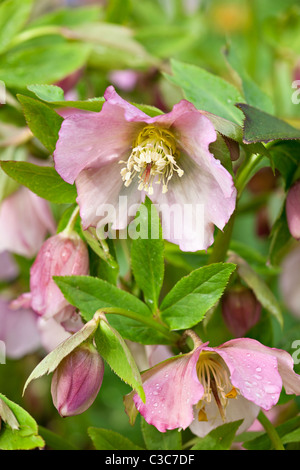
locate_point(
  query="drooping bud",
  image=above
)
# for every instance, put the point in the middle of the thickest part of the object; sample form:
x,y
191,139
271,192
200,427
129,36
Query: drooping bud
x,y
77,380
293,210
241,310
64,254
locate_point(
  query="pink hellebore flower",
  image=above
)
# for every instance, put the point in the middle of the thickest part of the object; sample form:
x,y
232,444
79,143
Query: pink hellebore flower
x,y
118,156
25,220
18,330
77,381
209,386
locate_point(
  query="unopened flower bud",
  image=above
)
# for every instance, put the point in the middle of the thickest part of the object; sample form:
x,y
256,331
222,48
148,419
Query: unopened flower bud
x,y
60,255
241,310
293,210
77,381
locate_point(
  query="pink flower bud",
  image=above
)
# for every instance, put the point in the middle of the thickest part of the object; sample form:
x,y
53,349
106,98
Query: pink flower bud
x,y
241,310
60,255
77,381
293,210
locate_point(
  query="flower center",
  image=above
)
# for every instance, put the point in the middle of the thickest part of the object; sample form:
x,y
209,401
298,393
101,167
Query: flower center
x,y
153,157
214,377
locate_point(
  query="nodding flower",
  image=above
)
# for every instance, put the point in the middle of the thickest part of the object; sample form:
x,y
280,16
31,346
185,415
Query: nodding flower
x,y
122,153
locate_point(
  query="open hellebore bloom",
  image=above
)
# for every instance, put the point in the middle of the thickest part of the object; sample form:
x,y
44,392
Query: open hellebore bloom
x,y
210,386
120,155
77,380
25,220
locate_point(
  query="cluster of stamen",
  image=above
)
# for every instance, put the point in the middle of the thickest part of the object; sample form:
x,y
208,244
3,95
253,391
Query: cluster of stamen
x,y
152,160
214,377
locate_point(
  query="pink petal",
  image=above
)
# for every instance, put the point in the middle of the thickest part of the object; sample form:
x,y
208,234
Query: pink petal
x,y
51,332
285,364
92,140
8,267
60,255
253,370
102,195
18,330
172,388
25,220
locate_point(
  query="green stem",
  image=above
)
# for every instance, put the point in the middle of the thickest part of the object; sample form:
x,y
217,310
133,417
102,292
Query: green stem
x,y
271,431
72,221
148,321
246,171
222,243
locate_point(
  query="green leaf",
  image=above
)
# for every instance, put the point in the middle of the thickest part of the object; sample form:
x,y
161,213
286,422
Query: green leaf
x,y
41,180
220,438
206,91
9,185
26,436
147,255
90,294
112,347
155,440
286,158
104,439
69,17
43,121
263,127
253,94
189,300
54,358
47,92
54,97
13,16
45,64
54,441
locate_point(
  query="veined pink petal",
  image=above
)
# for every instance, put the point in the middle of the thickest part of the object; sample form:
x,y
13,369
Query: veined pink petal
x,y
101,195
171,388
253,370
92,140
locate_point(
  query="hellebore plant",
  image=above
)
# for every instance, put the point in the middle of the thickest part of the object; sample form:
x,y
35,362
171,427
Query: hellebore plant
x,y
209,386
120,155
